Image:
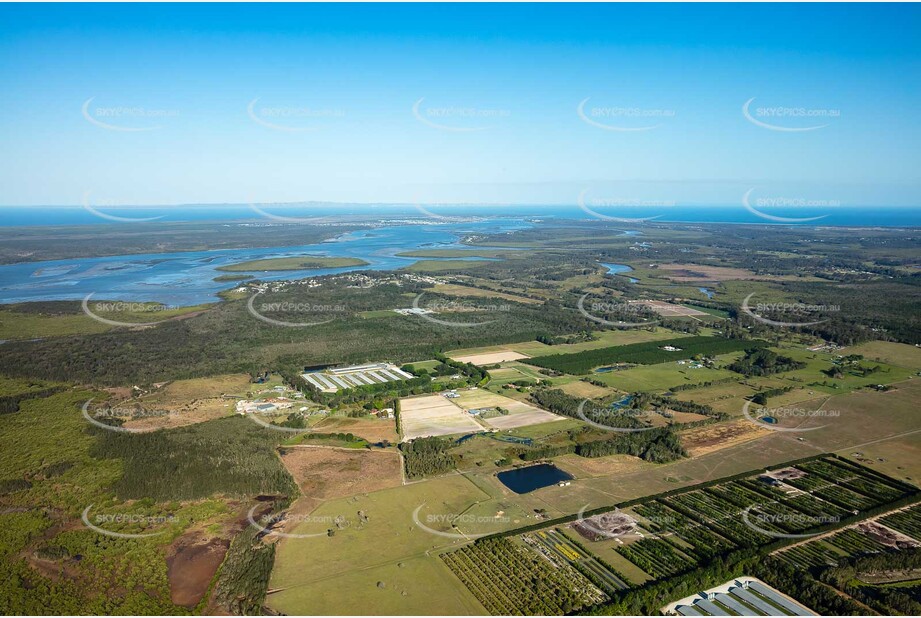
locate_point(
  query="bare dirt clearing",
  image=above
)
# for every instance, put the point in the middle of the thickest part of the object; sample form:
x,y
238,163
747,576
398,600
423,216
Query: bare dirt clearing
x,y
710,438
697,273
520,414
490,358
327,473
371,429
186,402
668,309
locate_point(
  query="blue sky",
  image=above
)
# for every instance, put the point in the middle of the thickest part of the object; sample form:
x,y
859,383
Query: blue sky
x,y
275,103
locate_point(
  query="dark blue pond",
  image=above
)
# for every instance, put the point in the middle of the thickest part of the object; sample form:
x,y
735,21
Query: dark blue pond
x,y
524,480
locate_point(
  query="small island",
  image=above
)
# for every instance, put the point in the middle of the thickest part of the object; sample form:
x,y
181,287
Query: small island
x,y
222,278
294,263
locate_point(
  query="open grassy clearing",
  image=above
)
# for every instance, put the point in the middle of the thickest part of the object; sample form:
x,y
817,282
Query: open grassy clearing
x,y
662,377
419,586
865,416
900,354
578,388
899,458
453,289
362,551
15,325
697,273
604,339
818,361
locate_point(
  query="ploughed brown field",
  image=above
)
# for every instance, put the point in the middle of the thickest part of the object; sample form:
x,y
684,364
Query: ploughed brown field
x,y
324,473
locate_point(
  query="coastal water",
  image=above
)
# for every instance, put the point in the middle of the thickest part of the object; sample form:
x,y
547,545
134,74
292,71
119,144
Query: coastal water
x,y
187,278
859,216
619,269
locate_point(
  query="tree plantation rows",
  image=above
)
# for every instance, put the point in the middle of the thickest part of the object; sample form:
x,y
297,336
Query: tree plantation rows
x,y
697,538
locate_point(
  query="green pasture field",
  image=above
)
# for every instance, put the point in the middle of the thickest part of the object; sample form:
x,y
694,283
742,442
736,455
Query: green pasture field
x,y
900,354
479,454
302,262
863,417
388,538
661,377
605,339
453,289
378,314
425,364
817,361
416,586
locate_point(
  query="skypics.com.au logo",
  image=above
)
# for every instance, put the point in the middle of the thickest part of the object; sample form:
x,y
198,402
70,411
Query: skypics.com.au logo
x,y
623,119
788,119
267,523
625,309
771,418
619,420
125,119
111,418
440,306
756,206
785,308
121,308
458,119
590,206
776,524
94,210
293,308
103,523
455,521
291,119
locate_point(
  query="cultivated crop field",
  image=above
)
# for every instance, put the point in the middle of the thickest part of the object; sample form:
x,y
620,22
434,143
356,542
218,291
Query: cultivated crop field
x,y
676,532
520,414
433,415
511,579
896,530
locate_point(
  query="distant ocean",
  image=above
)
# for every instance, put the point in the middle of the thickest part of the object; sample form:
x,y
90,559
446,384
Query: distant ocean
x,y
851,216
